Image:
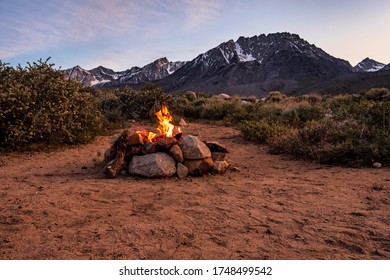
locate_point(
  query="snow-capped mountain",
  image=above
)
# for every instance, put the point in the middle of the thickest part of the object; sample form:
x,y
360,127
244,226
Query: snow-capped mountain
x,y
102,76
79,74
279,61
151,72
368,65
248,66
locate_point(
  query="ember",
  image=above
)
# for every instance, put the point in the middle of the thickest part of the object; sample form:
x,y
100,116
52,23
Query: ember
x,y
164,154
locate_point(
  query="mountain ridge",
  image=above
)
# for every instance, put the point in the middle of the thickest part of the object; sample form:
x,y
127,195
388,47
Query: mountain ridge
x,y
248,66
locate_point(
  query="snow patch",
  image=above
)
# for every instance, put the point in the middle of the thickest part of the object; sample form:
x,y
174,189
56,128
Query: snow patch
x,y
224,55
242,56
375,68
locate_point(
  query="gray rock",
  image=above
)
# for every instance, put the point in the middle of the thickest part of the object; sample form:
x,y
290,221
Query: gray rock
x,y
181,170
377,165
200,166
193,148
153,165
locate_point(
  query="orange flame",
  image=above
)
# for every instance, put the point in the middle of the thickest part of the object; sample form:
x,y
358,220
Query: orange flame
x,y
165,118
146,136
166,128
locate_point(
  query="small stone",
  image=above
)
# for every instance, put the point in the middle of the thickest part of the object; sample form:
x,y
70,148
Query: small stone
x,y
220,166
193,148
235,169
377,165
181,170
176,153
200,166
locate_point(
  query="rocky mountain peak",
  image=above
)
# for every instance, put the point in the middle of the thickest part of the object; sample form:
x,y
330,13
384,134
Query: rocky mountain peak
x,y
368,65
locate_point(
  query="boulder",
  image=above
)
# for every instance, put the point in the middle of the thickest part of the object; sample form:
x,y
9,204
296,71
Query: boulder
x,y
377,165
181,170
176,153
193,148
153,165
200,166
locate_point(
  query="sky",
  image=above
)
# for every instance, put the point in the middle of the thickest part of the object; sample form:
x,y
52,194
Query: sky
x,y
120,34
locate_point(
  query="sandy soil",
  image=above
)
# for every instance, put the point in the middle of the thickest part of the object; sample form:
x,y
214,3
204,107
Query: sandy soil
x,y
58,205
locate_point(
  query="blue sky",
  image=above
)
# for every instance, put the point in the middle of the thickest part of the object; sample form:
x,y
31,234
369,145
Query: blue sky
x,y
120,34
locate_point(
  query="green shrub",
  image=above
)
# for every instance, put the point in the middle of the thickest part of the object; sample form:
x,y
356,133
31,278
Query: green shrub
x,y
376,93
275,97
131,103
37,104
291,143
259,131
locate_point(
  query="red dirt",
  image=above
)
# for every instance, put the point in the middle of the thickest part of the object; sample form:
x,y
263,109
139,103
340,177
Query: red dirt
x,y
59,205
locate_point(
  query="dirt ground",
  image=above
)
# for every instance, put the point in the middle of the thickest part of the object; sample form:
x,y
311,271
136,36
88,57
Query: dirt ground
x,y
59,205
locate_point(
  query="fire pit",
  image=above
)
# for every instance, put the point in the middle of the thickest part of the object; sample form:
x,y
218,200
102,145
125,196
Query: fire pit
x,y
167,153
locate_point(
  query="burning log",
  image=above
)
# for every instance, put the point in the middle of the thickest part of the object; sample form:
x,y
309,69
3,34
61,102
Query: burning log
x,y
113,167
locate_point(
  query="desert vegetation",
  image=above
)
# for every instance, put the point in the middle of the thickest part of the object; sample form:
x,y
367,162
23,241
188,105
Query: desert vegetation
x,y
38,105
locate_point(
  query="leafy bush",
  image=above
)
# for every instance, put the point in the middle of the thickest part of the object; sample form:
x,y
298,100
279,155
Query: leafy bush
x,y
275,96
260,131
376,93
137,104
37,104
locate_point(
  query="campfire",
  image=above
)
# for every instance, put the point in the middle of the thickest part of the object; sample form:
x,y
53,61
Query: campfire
x,y
164,154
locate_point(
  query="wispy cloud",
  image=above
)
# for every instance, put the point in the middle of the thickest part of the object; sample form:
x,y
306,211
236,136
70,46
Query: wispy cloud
x,y
200,12
33,26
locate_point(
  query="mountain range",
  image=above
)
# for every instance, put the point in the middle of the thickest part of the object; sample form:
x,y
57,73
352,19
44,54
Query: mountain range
x,y
249,66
